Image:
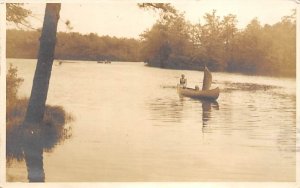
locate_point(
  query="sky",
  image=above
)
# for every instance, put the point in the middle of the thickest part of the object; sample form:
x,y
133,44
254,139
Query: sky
x,y
125,19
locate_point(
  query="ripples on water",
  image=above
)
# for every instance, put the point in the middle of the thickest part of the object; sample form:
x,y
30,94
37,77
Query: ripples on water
x,y
131,125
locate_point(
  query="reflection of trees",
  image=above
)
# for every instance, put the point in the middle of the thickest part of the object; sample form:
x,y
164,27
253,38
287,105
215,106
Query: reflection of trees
x,y
33,154
28,145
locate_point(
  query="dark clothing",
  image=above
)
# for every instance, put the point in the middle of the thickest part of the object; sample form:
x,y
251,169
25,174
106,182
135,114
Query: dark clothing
x,y
182,81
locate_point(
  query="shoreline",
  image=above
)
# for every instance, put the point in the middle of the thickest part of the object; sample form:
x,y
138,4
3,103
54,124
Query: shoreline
x,y
198,68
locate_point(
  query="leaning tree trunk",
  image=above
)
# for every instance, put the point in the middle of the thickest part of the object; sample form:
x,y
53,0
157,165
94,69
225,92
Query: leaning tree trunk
x,y
37,101
32,145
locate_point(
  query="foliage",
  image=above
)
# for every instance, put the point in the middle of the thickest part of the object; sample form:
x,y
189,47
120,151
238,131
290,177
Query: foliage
x,y
268,49
166,10
24,44
13,82
173,42
15,13
257,49
53,130
168,43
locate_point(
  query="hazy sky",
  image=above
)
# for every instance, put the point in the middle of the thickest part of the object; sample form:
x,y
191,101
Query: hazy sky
x,y
125,19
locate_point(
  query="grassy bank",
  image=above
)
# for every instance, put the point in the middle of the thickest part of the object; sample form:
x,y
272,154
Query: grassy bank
x,y
52,131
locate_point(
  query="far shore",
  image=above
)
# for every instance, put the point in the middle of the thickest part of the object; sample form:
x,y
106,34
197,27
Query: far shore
x,y
197,68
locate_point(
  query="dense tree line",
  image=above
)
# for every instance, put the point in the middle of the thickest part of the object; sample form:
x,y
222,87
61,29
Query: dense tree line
x,y
173,42
74,46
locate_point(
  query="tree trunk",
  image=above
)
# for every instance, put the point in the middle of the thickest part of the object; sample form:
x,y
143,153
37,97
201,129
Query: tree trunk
x,y
37,101
33,153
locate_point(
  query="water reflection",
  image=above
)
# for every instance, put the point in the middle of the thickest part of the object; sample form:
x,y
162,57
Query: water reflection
x,y
286,140
33,154
207,107
29,143
175,109
251,119
166,109
235,86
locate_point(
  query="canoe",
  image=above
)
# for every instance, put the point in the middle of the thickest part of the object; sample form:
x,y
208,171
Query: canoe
x,y
211,94
105,62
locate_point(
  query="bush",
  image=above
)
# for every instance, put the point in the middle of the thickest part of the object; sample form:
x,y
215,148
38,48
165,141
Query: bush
x,y
13,83
51,132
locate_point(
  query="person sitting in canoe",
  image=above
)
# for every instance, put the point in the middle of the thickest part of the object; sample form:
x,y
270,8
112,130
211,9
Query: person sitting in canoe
x,y
183,81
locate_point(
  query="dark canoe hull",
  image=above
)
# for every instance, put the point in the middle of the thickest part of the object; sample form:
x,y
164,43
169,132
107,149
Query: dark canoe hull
x,y
212,94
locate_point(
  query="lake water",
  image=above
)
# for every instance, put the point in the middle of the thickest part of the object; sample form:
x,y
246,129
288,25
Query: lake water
x,y
131,125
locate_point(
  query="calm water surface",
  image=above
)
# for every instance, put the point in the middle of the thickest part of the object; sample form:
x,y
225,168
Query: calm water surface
x,y
131,125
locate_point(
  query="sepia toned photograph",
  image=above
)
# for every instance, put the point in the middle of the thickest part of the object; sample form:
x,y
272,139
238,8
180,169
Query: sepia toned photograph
x,y
127,91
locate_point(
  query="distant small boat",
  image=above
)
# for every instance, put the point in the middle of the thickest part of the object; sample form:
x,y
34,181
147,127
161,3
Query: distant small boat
x,y
211,94
105,62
